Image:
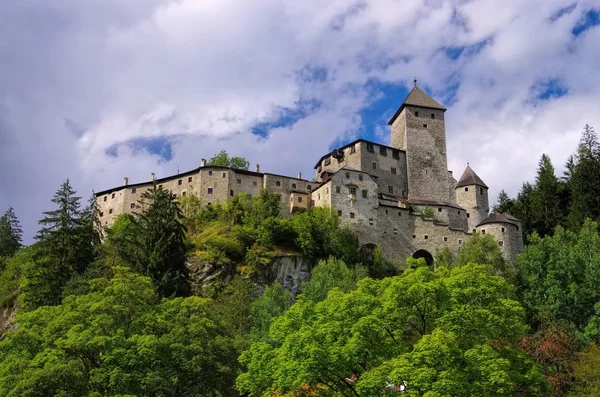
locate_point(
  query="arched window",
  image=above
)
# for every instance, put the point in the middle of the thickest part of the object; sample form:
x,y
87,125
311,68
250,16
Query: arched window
x,y
308,187
277,183
293,185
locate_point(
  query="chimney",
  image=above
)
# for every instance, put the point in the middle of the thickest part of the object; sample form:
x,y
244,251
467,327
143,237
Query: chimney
x,y
125,181
299,175
203,163
153,176
257,167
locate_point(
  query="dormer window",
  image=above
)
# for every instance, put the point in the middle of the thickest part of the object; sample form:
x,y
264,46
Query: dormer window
x,y
327,161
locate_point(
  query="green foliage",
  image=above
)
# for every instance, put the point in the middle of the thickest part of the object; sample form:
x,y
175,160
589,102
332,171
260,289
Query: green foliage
x,y
10,278
414,263
274,301
484,249
445,258
152,242
587,373
222,159
381,267
559,275
327,275
428,212
117,340
545,198
10,233
443,333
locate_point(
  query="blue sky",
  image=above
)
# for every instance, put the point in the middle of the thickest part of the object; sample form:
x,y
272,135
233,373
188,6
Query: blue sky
x,y
98,90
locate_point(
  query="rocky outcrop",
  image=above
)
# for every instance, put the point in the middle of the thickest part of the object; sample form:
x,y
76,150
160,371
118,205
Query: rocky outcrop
x,y
7,318
289,270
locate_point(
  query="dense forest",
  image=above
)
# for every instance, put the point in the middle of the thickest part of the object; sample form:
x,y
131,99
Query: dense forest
x,y
92,311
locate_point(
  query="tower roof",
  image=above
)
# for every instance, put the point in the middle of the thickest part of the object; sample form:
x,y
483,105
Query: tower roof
x,y
417,97
500,217
470,178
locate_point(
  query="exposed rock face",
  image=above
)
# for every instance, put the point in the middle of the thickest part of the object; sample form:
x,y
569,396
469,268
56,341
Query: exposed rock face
x,y
290,271
7,318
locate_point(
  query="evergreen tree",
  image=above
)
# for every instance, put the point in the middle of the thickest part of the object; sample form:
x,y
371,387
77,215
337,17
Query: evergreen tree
x,y
10,233
585,180
523,209
505,203
545,198
158,249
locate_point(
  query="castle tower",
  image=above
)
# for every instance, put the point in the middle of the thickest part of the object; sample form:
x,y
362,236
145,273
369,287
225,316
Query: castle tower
x,y
507,231
418,128
472,195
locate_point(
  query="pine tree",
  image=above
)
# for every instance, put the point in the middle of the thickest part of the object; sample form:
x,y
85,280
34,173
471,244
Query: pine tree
x,y
585,180
545,199
10,233
158,248
505,203
523,209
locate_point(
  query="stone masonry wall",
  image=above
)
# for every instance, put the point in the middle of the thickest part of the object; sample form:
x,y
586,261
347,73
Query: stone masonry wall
x,y
507,236
474,199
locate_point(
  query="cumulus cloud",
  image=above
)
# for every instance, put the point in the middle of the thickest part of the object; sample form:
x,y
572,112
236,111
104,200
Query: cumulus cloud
x,y
98,90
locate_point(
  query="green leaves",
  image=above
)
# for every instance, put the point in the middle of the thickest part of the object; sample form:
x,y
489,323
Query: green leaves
x,y
432,333
222,159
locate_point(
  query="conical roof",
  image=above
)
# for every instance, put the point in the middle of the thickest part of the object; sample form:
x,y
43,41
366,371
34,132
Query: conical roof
x,y
470,178
417,97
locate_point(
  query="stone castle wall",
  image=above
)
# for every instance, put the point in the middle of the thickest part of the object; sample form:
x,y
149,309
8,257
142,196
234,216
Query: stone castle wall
x,y
508,236
474,199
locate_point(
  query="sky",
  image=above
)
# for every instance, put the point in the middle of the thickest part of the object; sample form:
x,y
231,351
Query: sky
x,y
94,91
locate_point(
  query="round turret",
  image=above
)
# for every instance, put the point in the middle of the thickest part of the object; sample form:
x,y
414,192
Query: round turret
x,y
506,230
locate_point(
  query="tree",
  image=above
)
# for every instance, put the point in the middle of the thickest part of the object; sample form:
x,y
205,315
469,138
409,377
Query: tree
x,y
546,198
558,276
116,341
274,301
65,248
222,159
505,203
484,249
157,248
587,372
10,233
453,332
327,275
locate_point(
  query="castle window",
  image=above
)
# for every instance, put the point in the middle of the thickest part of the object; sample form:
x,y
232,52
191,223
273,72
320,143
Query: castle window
x,y
474,230
110,211
105,197
481,190
279,195
458,212
133,190
299,199
501,243
426,237
160,186
445,239
254,184
370,148
460,241
396,154
184,193
432,116
414,236
132,205
466,189
174,195
399,213
424,125
382,151
365,193
386,212
190,179
360,177
352,215
113,195
101,213
374,164
391,189
338,189
231,193
502,230
347,175
352,191
210,173
319,196
210,190
239,181
395,231
393,170
339,213
352,149
327,161
308,187
224,175
483,231
439,209
293,186
468,215
417,113
326,190
277,183
319,169
179,182
371,221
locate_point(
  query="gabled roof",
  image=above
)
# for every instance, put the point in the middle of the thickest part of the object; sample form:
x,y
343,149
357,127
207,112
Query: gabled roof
x,y
417,97
352,144
470,178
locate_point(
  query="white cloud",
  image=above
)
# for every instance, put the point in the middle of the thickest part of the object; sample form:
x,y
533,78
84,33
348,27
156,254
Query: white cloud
x,y
78,78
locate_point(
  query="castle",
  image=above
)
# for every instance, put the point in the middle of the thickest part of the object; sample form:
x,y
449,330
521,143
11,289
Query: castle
x,y
401,197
